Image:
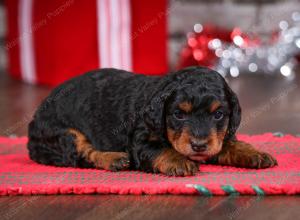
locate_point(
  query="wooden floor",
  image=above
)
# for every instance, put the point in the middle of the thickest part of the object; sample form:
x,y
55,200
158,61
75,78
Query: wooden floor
x,y
269,105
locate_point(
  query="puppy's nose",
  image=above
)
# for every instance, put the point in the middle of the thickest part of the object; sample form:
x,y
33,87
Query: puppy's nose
x,y
198,146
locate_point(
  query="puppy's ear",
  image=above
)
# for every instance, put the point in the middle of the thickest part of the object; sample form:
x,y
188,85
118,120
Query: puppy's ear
x,y
235,113
154,111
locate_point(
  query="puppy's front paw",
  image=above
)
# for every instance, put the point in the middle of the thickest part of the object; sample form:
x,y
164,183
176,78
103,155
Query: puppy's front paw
x,y
172,163
180,168
114,161
260,160
241,154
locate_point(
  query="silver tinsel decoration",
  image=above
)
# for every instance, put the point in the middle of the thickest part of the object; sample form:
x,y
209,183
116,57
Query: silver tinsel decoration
x,y
270,57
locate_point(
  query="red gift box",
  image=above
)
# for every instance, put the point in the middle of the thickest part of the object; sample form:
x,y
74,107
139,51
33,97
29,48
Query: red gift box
x,y
49,42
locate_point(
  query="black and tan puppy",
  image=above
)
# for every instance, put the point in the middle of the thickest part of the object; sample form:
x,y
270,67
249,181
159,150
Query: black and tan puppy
x,y
115,120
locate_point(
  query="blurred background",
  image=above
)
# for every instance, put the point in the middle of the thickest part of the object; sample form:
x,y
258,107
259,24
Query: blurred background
x,y
255,45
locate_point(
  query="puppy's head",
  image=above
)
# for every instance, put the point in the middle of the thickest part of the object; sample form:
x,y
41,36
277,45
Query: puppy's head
x,y
196,111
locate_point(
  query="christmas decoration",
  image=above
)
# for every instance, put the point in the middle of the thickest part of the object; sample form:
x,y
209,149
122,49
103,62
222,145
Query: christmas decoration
x,y
234,52
49,42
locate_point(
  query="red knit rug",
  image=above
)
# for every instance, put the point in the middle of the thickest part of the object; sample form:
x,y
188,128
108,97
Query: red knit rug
x,y
21,176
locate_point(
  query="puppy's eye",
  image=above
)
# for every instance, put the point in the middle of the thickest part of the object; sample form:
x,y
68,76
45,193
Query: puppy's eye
x,y
218,115
179,115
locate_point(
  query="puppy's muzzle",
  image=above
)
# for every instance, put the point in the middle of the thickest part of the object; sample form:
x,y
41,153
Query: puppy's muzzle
x,y
199,145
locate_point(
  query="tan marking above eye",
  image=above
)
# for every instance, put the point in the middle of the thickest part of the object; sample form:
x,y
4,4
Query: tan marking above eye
x,y
186,106
214,106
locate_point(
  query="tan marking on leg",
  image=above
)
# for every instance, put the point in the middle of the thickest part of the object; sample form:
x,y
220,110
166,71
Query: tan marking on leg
x,y
241,154
106,160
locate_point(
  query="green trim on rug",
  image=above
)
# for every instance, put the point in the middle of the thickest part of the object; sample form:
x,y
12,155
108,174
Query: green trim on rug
x,y
230,190
258,190
278,134
203,190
